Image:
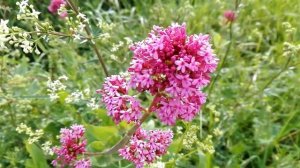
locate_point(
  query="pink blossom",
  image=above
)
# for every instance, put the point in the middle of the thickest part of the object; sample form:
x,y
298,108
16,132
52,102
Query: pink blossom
x,y
120,106
73,144
176,66
83,163
55,5
229,16
145,146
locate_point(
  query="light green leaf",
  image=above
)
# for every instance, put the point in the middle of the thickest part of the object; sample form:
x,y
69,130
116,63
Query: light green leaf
x,y
37,157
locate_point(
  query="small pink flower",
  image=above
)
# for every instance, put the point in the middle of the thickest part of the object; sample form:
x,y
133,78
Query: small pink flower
x,y
73,144
229,15
83,163
120,106
145,146
55,5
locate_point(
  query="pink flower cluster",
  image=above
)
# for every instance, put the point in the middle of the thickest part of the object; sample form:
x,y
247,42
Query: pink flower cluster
x,y
229,15
120,106
55,5
73,144
176,67
144,146
83,163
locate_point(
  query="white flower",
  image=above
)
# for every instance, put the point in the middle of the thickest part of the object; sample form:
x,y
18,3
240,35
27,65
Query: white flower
x,y
104,36
87,91
93,104
37,51
64,77
116,47
82,17
26,11
27,46
75,97
105,26
3,40
3,27
4,37
34,136
76,37
35,13
53,96
62,9
54,86
47,148
22,5
128,40
81,27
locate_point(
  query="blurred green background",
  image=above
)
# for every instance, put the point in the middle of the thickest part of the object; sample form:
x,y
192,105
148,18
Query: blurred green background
x,y
255,101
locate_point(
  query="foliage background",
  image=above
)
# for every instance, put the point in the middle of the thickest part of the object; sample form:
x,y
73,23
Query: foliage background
x,y
255,100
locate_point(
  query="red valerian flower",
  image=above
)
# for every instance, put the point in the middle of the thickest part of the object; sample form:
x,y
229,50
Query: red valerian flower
x,y
176,66
229,15
145,146
120,106
73,144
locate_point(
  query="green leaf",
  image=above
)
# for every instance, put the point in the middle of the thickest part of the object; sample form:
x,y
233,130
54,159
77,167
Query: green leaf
x,y
174,145
37,157
101,133
97,146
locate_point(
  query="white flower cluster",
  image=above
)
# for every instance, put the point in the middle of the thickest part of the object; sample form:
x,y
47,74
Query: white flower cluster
x,y
93,104
78,96
217,114
105,27
116,47
104,37
157,164
4,36
207,145
62,10
15,36
26,11
34,136
288,27
190,137
290,49
217,132
128,41
75,97
46,147
77,26
55,86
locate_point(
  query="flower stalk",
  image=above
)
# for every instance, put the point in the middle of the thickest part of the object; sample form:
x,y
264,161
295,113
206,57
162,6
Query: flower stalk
x,y
90,35
127,137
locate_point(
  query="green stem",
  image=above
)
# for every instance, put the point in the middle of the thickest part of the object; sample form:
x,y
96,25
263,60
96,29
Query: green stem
x,y
90,35
278,74
127,137
223,60
286,65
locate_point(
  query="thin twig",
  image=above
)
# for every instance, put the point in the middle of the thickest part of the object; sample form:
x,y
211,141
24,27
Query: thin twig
x,y
278,74
88,32
223,61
